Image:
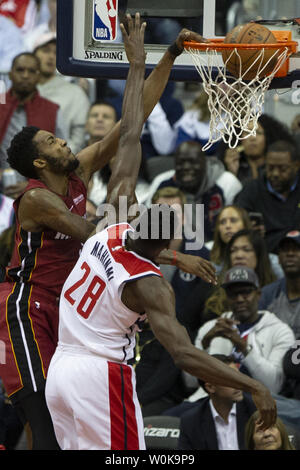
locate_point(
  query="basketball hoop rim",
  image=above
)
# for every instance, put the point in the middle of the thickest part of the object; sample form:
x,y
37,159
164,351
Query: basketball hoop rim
x,y
218,45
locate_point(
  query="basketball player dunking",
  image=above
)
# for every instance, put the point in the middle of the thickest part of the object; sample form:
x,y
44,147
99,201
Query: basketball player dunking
x,y
50,230
90,389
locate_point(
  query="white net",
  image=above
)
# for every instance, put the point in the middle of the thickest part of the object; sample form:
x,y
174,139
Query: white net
x,y
234,103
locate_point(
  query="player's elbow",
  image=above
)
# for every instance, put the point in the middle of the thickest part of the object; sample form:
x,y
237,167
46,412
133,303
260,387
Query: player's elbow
x,y
130,137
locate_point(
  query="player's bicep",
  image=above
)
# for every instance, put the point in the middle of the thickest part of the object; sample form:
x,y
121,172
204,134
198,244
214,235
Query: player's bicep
x,y
47,210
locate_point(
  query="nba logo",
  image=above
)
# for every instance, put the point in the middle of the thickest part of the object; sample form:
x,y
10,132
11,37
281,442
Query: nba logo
x,y
105,20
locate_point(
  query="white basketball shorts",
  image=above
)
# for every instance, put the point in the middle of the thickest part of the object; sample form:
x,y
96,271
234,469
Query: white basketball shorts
x,y
93,403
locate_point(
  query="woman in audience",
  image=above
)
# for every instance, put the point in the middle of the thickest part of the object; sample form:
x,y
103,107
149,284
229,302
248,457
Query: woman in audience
x,y
247,248
274,438
248,160
230,220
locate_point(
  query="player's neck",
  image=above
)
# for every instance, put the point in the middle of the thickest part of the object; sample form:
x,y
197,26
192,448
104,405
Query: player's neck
x,y
56,183
131,245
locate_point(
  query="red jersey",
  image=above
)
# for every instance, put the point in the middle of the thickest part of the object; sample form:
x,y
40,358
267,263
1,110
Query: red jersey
x,y
46,258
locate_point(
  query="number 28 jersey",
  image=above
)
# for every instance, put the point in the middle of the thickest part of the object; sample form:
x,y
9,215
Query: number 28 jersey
x,y
92,317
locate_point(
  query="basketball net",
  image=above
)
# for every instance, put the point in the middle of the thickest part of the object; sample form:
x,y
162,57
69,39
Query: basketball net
x,y
234,103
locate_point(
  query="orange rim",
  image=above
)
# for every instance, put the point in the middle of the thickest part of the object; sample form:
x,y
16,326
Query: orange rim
x,y
219,45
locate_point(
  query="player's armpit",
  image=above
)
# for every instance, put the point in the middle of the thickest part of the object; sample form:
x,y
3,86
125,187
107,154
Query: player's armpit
x,y
40,209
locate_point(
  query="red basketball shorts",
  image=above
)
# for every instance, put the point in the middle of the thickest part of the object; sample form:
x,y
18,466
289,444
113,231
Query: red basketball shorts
x,y
28,337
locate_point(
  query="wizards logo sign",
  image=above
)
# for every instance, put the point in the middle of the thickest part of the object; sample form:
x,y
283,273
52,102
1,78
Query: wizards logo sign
x,y
105,16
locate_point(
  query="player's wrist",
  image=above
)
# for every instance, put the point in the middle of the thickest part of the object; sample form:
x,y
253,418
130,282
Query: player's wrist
x,y
174,50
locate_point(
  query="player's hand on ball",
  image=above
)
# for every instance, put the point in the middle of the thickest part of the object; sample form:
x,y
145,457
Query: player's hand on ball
x,y
187,35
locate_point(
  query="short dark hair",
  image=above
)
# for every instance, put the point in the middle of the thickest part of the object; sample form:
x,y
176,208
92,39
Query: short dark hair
x,y
289,146
104,103
26,54
221,357
157,226
23,151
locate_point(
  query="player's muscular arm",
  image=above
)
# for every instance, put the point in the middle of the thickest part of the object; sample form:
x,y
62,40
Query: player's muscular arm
x,y
40,209
155,297
128,158
96,156
191,264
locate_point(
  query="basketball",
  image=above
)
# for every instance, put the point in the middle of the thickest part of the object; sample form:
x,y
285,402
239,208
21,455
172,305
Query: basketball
x,y
249,33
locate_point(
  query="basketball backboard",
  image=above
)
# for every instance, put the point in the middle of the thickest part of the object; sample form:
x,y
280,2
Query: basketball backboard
x,y
90,42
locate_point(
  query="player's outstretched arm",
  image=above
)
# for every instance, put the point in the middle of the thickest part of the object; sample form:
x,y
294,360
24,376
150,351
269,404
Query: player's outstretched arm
x,y
154,296
191,264
129,154
96,156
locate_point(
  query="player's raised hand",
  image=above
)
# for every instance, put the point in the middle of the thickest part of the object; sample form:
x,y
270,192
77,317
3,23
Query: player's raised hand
x,y
133,39
185,35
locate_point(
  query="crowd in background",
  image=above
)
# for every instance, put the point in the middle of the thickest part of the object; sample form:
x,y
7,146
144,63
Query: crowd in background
x,y
251,216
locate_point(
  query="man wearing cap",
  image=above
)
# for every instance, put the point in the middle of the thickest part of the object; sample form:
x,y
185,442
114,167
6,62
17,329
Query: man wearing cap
x,y
70,97
276,194
25,107
257,338
282,297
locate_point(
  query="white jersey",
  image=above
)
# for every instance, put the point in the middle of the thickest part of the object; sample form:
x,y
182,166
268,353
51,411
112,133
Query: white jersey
x,y
91,313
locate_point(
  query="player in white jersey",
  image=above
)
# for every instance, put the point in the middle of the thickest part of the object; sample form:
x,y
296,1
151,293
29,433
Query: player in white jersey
x,y
90,389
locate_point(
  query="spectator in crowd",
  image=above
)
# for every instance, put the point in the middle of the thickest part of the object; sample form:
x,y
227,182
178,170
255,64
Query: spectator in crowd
x,y
194,123
257,338
6,212
21,12
273,438
246,248
102,117
48,8
6,232
230,220
216,422
25,107
11,43
7,239
11,426
72,100
282,296
159,133
247,161
159,383
202,179
276,195
295,126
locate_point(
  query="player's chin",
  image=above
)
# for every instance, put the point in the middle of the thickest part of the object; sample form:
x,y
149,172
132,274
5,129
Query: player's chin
x,y
71,165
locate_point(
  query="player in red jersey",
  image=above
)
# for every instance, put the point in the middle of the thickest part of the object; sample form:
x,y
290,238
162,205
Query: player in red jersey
x,y
90,387
50,231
